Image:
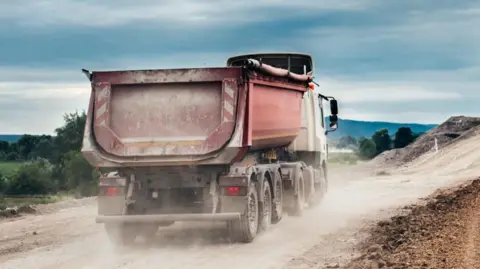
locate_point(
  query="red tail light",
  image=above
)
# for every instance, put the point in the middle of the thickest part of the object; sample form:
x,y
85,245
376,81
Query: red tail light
x,y
111,191
232,191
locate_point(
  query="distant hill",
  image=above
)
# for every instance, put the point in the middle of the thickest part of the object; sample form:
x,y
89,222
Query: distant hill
x,y
10,137
358,128
354,128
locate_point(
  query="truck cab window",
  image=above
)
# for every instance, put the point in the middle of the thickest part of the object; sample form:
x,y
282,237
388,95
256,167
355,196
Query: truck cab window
x,y
295,64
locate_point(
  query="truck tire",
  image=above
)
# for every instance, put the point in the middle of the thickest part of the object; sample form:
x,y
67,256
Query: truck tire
x,y
266,207
320,190
299,199
245,229
277,205
121,234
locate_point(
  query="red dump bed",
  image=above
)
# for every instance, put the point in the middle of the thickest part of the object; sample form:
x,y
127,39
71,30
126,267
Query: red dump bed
x,y
184,114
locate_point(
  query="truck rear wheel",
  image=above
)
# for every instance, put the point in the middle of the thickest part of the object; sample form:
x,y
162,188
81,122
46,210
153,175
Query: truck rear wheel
x,y
299,199
277,207
245,229
266,206
320,191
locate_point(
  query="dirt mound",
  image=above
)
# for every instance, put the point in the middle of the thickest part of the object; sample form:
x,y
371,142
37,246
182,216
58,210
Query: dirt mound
x,y
388,158
445,133
443,233
452,130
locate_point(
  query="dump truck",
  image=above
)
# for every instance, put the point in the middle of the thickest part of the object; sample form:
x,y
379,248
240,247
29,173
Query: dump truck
x,y
242,144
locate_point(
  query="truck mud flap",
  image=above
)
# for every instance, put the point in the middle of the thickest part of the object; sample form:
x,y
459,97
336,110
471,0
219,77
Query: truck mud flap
x,y
169,217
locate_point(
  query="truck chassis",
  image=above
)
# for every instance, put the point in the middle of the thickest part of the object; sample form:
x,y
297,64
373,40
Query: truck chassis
x,y
249,198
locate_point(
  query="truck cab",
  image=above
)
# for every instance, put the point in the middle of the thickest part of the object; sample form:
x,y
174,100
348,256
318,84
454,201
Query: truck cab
x,y
312,138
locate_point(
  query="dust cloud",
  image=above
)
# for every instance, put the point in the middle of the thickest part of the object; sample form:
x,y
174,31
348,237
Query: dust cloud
x,y
195,245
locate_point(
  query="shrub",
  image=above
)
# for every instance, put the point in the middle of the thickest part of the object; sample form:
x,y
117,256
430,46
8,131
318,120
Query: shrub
x,y
3,182
79,175
367,148
31,178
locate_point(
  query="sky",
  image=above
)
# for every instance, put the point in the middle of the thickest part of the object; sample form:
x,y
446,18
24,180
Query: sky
x,y
386,60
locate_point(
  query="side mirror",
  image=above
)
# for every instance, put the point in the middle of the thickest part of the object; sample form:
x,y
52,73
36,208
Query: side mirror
x,y
333,121
333,107
333,118
333,112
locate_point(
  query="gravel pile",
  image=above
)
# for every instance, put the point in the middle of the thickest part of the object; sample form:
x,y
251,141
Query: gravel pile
x,y
451,131
443,233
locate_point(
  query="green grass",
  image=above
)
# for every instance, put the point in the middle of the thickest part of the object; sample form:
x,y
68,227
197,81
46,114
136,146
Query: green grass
x,y
8,168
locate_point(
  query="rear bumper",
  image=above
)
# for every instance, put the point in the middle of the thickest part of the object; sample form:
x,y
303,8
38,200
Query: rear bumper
x,y
169,217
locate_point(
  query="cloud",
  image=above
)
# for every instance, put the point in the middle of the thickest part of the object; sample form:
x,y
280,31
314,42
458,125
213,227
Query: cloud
x,y
405,38
14,74
383,91
39,107
184,12
28,91
415,61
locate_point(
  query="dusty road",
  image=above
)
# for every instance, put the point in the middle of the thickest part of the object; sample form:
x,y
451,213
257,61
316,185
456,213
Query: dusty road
x,y
70,239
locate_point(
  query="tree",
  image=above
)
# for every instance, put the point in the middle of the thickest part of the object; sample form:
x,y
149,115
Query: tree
x,y
13,148
25,145
43,148
366,148
70,171
382,140
70,136
12,156
4,146
403,137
